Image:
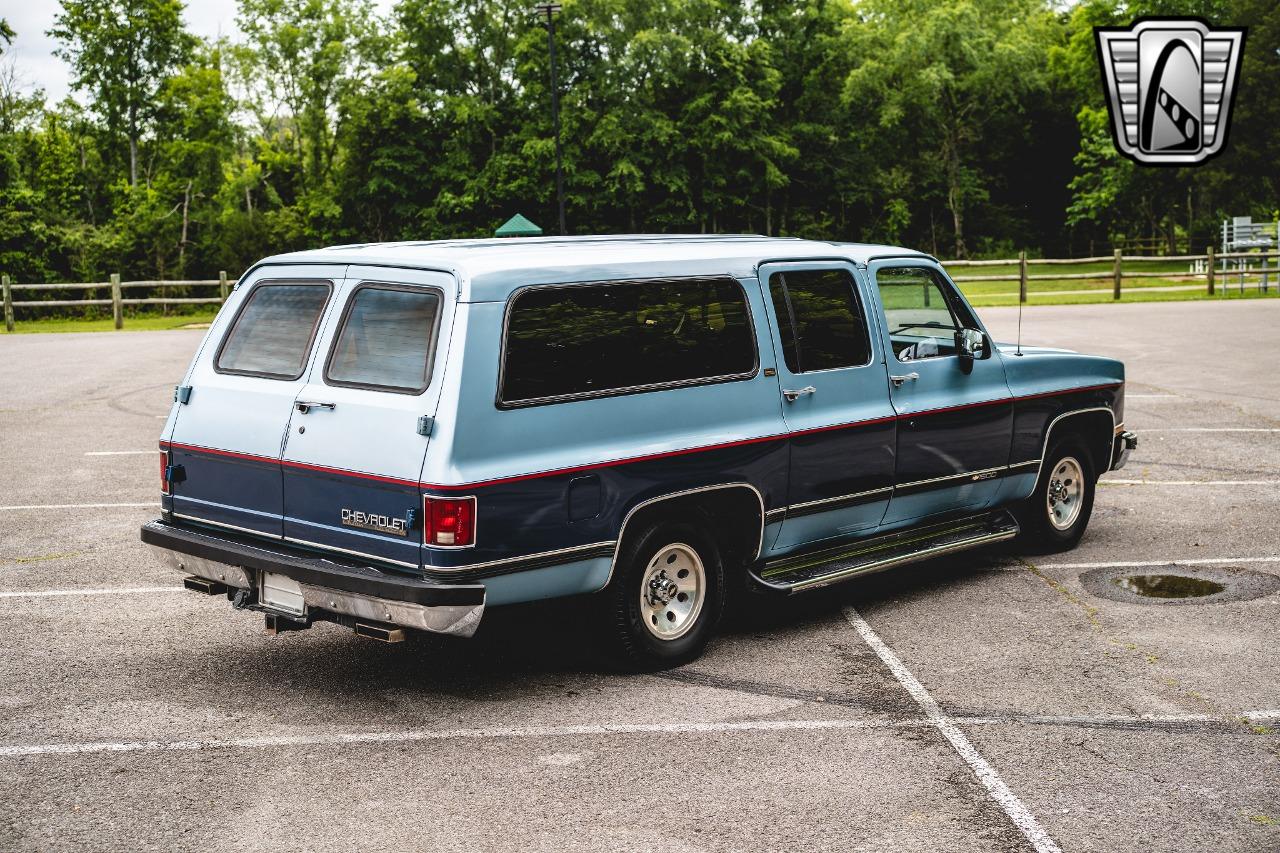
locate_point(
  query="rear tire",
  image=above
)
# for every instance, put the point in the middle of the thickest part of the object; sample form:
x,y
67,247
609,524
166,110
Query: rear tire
x,y
1055,516
666,597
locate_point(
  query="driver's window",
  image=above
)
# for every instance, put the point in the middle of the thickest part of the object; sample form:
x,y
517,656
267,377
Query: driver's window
x,y
921,322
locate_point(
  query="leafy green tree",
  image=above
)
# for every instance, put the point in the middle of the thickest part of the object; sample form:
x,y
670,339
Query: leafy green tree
x,y
939,71
121,52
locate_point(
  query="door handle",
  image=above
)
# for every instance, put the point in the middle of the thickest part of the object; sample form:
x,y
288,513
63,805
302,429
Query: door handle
x,y
305,406
792,396
899,381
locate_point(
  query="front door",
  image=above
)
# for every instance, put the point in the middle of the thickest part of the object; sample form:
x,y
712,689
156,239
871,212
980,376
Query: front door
x,y
955,425
835,401
227,437
355,446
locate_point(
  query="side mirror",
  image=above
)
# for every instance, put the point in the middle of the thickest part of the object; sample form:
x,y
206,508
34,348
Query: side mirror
x,y
971,344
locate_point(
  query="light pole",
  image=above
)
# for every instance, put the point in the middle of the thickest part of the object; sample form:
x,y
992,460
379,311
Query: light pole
x,y
550,10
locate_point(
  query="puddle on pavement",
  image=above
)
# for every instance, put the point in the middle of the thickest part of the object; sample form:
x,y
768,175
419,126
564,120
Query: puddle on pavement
x,y
1180,585
1168,586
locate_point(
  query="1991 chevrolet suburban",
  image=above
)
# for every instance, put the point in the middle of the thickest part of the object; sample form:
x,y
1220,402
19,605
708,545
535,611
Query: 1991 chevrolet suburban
x,y
395,436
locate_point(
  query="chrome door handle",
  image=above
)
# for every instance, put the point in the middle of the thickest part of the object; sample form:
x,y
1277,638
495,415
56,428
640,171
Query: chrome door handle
x,y
792,396
305,406
899,381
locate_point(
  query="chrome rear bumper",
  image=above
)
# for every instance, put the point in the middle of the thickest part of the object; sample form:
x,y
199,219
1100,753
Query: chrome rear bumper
x,y
328,588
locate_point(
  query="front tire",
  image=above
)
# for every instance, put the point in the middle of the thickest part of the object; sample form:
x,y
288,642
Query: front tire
x,y
666,598
1055,516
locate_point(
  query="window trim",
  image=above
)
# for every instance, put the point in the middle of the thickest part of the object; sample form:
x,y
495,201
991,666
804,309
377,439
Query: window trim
x,y
244,305
500,403
858,305
342,324
945,287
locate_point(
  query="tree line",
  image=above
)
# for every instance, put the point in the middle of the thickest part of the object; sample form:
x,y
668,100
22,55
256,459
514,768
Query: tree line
x,y
961,127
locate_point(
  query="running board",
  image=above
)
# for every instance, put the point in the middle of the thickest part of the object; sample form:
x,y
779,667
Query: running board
x,y
818,569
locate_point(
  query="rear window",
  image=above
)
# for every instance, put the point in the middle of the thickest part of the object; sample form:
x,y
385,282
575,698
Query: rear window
x,y
272,335
598,339
386,340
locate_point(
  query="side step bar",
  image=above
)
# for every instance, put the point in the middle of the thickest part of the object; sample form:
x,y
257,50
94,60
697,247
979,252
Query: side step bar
x,y
818,569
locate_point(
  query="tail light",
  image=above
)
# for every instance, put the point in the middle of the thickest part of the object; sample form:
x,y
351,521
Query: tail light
x,y
164,472
450,522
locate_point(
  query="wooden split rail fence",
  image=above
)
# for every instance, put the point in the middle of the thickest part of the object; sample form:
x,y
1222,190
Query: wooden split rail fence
x,y
118,300
1216,268
1225,266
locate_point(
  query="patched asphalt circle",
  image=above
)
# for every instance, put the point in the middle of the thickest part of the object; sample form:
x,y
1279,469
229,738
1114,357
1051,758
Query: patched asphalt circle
x,y
1237,584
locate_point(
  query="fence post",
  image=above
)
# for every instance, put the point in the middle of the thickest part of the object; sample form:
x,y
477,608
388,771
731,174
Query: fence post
x,y
1115,293
1210,270
8,304
222,284
1022,276
117,308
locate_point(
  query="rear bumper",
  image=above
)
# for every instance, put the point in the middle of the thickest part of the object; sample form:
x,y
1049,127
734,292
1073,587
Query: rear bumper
x,y
343,590
1122,446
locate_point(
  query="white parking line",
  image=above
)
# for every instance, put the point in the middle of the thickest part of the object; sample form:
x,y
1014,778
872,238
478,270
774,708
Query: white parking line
x,y
75,506
999,791
517,732
120,452
1209,429
1137,564
337,738
1189,482
56,593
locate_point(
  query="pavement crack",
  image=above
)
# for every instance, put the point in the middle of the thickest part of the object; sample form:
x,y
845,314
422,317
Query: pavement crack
x,y
1118,765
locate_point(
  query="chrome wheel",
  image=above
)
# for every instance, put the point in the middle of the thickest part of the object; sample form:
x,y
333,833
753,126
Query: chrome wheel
x,y
1065,497
672,590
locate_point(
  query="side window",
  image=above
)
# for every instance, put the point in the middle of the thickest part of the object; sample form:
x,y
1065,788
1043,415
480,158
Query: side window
x,y
386,340
921,321
820,322
272,335
592,340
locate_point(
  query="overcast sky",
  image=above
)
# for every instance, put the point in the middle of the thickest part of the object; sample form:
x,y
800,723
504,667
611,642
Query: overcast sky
x,y
33,50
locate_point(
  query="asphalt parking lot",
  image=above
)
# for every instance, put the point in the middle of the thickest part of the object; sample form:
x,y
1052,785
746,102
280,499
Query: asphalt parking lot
x,y
981,702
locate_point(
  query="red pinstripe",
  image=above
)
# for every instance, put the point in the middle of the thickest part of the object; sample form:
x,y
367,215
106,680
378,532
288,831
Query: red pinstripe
x,y
627,460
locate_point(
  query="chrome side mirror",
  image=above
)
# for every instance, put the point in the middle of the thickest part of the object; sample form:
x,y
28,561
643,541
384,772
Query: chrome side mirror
x,y
971,344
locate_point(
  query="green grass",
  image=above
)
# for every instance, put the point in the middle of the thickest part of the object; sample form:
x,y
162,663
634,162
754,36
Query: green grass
x,y
131,324
983,295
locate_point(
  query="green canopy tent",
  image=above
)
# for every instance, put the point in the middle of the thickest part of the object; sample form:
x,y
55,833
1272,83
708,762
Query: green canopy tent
x,y
518,226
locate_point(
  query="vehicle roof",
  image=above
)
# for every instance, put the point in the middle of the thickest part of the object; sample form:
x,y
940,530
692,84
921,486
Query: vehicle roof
x,y
490,269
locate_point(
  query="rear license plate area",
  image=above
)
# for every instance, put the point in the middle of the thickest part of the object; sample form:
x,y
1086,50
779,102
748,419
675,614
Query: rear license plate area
x,y
282,593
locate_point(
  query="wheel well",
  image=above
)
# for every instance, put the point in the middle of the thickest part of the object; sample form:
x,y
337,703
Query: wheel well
x,y
732,514
1095,428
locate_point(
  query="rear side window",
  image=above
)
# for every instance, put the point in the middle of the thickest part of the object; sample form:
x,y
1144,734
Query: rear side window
x,y
272,335
386,340
819,321
592,340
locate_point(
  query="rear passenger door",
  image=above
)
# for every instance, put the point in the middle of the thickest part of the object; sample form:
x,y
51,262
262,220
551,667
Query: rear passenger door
x,y
227,437
354,449
835,400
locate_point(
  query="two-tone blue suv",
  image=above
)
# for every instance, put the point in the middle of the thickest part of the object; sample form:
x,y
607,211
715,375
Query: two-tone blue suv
x,y
393,436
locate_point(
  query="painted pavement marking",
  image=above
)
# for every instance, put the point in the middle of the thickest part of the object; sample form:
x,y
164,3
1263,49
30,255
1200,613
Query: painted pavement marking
x,y
987,775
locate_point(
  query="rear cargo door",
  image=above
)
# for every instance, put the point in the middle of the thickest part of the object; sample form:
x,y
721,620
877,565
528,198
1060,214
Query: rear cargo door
x,y
227,438
359,427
